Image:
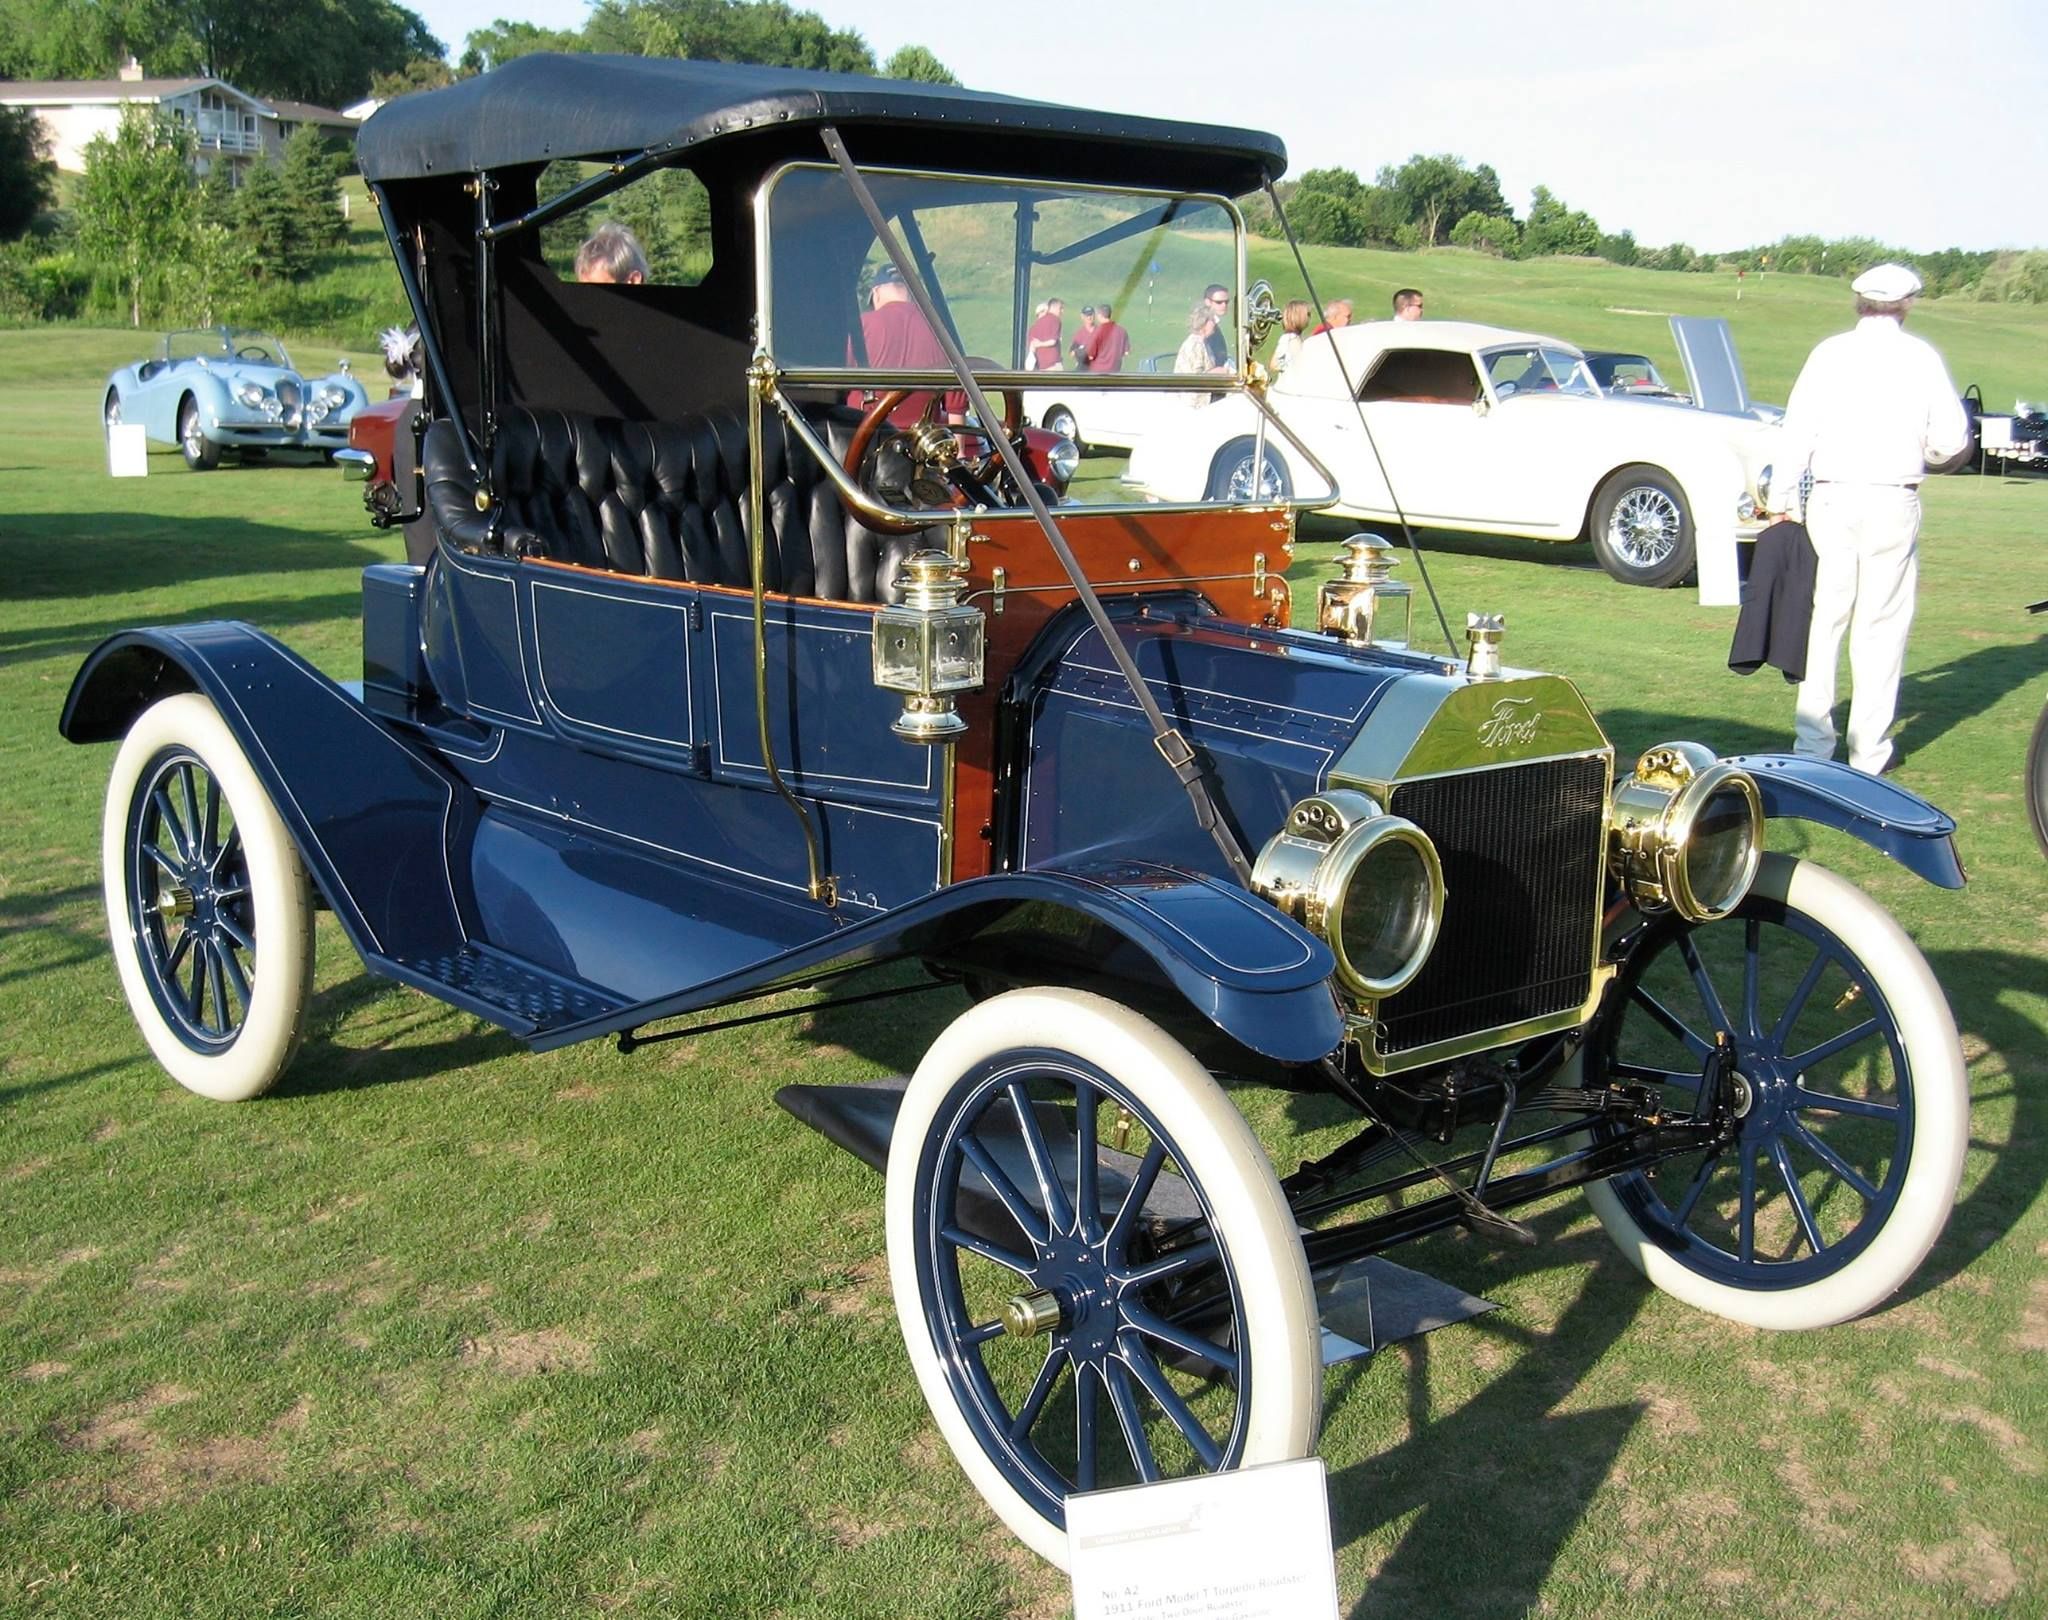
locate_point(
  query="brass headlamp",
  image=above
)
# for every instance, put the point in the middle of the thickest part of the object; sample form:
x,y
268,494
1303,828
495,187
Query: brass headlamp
x,y
1687,832
929,647
1366,883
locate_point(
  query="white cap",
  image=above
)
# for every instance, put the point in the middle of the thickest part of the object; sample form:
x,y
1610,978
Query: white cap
x,y
1886,284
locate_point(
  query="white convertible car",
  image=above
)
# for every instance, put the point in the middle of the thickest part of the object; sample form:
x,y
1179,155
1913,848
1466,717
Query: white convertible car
x,y
1486,430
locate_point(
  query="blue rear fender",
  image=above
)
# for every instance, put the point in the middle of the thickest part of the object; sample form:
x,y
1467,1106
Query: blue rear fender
x,y
1884,815
373,816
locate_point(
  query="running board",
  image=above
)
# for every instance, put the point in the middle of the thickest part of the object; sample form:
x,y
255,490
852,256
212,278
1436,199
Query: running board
x,y
1365,1305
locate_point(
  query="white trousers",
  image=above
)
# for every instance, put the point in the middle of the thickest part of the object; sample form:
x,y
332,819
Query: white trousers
x,y
1866,550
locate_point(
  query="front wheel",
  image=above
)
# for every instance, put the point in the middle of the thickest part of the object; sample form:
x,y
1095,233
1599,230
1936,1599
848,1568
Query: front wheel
x,y
1097,1276
1850,1102
1641,528
110,410
1245,475
201,453
208,903
1060,419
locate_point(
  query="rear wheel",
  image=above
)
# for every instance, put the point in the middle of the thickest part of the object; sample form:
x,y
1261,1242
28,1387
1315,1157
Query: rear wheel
x,y
110,412
208,904
1850,1098
1642,528
1079,1319
1060,420
1244,475
201,453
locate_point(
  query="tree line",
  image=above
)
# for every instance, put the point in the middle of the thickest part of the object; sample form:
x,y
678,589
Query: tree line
x,y
1437,201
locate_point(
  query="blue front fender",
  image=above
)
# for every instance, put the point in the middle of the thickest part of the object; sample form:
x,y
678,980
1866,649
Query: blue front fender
x,y
1884,815
1262,980
372,816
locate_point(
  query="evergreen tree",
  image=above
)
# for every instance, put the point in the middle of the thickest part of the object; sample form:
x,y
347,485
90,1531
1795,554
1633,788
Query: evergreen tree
x,y
268,227
916,63
216,200
310,175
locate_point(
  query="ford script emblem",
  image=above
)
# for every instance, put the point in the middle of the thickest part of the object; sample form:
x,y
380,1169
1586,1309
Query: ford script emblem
x,y
1512,724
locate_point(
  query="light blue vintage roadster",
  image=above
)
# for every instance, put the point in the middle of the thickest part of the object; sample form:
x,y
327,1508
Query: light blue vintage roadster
x,y
217,388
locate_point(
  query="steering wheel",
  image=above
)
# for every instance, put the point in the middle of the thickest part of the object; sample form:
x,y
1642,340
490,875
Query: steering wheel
x,y
252,351
924,465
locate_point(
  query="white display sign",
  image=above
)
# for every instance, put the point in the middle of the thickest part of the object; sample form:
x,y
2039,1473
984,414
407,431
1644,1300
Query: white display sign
x,y
1248,1545
127,451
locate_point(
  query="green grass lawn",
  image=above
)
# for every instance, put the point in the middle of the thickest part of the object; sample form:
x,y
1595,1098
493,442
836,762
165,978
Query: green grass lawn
x,y
441,1328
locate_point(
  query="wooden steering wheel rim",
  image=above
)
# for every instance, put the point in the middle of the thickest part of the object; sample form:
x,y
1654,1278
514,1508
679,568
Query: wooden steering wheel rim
x,y
880,411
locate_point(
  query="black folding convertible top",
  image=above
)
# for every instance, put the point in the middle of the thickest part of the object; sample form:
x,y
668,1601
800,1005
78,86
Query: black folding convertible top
x,y
536,108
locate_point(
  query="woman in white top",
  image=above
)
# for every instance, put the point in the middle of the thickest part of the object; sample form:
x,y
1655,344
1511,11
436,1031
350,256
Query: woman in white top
x,y
1293,323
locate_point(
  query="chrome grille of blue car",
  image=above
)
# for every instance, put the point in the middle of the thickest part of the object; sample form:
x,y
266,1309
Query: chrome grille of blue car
x,y
1522,850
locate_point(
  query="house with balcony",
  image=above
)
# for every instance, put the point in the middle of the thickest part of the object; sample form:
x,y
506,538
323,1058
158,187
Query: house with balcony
x,y
228,125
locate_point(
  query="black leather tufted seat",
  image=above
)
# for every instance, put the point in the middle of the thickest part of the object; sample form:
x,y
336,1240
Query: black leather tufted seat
x,y
666,500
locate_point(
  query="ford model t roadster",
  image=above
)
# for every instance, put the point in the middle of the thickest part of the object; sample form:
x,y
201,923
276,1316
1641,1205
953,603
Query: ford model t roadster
x,y
754,651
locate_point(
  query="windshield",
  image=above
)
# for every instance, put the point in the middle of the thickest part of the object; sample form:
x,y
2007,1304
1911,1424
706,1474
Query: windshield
x,y
1021,273
1537,369
225,343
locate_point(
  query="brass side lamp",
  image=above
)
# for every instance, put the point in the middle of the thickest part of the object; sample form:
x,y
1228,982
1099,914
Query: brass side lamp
x,y
1365,604
929,647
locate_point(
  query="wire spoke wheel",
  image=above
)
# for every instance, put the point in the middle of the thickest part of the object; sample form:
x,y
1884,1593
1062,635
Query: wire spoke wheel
x,y
1641,528
1645,527
1096,1274
208,904
1822,1029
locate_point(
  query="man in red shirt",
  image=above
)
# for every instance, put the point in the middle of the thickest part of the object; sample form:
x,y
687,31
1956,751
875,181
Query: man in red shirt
x,y
1044,336
1110,345
1084,339
897,339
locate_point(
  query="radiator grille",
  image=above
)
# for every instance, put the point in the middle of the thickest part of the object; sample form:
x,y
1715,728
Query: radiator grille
x,y
1521,849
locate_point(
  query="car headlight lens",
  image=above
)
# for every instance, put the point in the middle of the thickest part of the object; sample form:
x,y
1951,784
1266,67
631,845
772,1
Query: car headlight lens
x,y
1366,883
1688,832
251,395
1745,507
1763,490
1064,458
333,397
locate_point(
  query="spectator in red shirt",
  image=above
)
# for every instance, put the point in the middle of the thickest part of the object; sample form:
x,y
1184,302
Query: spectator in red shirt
x,y
1084,339
897,339
1043,353
1111,342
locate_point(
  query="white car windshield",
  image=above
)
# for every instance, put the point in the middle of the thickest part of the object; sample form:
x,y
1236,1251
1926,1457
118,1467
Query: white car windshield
x,y
1537,368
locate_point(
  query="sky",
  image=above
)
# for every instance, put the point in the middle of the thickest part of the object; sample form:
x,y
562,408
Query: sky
x,y
1721,125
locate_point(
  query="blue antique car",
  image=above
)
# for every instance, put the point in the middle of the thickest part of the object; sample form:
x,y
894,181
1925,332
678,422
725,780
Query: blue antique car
x,y
217,388
750,654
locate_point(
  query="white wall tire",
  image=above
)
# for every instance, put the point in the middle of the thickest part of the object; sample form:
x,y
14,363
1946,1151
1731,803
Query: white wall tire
x,y
212,934
1909,1061
1048,1043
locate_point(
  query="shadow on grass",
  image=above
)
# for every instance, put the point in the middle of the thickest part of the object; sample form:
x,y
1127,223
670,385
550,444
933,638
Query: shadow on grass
x,y
1452,542
387,1052
1935,701
85,554
267,613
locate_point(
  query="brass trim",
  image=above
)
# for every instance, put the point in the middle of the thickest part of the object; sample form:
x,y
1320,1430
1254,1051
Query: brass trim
x,y
1360,1025
761,382
1652,814
1025,1316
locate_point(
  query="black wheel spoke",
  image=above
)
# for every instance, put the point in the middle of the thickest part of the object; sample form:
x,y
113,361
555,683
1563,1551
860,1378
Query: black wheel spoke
x,y
1752,965
171,868
1834,1161
176,956
217,984
195,994
972,1338
237,980
1156,1327
188,791
1835,1045
167,819
210,847
1087,1170
1139,1190
1673,1025
1050,1191
1125,1405
230,855
1799,1207
241,937
1800,994
1084,1427
1746,1232
1703,981
1027,1218
1698,1185
960,1238
1826,1103
1170,1265
1177,1410
1041,1391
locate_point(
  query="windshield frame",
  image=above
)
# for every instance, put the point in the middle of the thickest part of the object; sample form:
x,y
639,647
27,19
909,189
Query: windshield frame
x,y
226,341
1004,377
